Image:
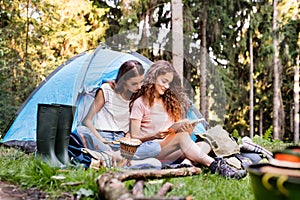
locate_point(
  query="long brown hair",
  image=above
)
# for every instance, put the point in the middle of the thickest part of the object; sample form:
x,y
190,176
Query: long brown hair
x,y
171,100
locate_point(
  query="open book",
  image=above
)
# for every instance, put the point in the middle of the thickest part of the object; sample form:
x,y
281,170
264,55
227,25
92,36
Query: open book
x,y
177,125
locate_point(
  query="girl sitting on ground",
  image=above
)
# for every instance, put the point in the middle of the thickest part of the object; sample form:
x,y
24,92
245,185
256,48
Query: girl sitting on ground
x,y
154,108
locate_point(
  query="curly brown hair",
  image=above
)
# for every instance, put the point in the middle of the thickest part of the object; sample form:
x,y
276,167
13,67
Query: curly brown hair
x,y
173,95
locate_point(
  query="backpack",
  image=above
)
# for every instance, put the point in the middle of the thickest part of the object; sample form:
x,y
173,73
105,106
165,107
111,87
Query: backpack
x,y
225,146
75,152
82,156
220,141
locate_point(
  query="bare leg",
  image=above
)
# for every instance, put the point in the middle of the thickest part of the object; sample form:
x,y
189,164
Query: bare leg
x,y
176,145
179,144
204,146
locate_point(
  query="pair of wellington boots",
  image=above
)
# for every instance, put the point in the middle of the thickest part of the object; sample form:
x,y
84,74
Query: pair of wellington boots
x,y
54,123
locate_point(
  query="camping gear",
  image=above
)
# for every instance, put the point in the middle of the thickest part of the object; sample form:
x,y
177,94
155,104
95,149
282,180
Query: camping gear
x,y
225,146
87,158
220,141
278,179
78,157
128,147
290,157
274,182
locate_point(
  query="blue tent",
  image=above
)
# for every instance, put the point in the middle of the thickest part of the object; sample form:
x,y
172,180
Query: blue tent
x,y
68,85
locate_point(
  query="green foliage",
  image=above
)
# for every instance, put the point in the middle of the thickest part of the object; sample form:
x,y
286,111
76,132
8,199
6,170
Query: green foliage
x,y
34,43
235,133
268,134
269,143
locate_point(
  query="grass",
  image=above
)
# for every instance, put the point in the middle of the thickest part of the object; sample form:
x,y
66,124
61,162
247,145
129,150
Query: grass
x,y
24,170
27,172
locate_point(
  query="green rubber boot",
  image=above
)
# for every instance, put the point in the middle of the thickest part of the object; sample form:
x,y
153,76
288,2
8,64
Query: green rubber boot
x,y
65,120
47,120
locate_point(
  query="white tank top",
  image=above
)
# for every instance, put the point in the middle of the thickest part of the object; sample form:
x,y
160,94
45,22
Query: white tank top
x,y
114,115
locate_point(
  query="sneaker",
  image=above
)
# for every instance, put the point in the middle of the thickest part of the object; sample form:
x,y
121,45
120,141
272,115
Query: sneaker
x,y
248,145
222,168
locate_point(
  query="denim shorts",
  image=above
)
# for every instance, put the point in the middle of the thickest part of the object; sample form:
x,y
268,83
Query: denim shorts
x,y
112,136
149,149
96,144
92,142
254,157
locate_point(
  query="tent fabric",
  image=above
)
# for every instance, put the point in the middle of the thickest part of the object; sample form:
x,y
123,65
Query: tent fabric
x,y
65,85
70,84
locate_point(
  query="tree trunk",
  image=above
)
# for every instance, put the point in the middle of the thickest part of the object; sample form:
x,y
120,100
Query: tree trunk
x,y
296,102
251,88
177,36
27,32
261,111
203,64
276,86
281,115
147,22
292,114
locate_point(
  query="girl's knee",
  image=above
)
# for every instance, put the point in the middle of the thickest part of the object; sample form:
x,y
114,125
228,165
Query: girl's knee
x,y
183,135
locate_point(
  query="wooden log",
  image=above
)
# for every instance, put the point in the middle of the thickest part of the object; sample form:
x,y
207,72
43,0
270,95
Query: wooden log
x,y
157,174
137,190
164,189
111,186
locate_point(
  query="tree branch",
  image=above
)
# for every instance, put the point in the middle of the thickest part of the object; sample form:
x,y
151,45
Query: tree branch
x,y
111,186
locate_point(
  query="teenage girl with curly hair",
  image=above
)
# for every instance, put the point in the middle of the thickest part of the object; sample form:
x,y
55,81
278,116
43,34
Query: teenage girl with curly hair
x,y
155,107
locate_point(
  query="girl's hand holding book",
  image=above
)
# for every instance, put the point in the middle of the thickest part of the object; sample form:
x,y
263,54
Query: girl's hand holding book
x,y
187,127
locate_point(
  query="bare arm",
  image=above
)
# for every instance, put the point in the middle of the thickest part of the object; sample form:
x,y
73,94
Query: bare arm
x,y
135,129
96,106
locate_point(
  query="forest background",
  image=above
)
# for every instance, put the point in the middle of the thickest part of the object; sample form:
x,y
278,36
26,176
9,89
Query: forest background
x,y
240,58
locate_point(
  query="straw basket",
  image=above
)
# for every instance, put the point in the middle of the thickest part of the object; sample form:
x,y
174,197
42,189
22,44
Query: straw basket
x,y
129,146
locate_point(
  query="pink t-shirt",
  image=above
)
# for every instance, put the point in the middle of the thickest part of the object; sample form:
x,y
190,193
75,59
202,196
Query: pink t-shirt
x,y
153,119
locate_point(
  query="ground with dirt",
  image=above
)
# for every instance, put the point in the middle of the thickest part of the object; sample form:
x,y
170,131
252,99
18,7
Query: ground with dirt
x,y
10,191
